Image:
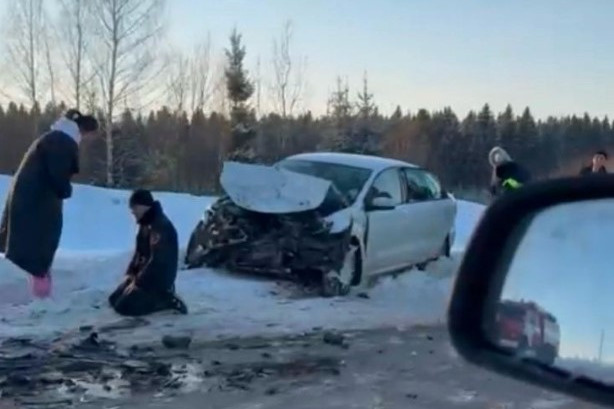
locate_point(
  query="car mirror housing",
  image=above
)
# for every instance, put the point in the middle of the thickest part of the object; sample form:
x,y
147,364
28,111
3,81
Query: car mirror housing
x,y
380,203
532,299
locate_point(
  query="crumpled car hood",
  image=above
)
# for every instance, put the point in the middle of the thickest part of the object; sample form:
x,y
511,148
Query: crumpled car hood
x,y
267,189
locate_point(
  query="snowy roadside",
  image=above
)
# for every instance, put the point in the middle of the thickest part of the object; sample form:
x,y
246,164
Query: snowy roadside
x,y
224,305
96,244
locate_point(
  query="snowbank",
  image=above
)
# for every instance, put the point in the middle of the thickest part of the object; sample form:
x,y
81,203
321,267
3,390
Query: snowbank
x,y
98,220
466,219
600,371
96,245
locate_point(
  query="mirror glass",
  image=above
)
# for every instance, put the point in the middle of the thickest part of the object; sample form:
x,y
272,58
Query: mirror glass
x,y
557,303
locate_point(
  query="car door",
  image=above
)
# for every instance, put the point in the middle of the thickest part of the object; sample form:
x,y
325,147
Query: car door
x,y
444,210
430,211
417,216
385,242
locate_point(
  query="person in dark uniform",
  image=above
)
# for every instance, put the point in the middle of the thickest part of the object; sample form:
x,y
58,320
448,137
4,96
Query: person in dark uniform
x,y
507,174
149,282
32,219
597,164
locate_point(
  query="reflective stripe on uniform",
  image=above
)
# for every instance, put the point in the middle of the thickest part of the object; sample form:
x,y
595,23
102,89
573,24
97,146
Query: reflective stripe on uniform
x,y
511,183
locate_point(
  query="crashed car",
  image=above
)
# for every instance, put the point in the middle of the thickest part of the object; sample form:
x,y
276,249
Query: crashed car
x,y
335,219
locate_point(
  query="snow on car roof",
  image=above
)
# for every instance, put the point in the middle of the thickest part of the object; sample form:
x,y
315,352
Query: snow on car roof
x,y
375,163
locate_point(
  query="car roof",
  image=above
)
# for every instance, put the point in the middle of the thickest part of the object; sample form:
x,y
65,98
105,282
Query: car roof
x,y
375,163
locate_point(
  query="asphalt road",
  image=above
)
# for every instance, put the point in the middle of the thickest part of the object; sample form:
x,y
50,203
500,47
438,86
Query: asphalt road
x,y
379,369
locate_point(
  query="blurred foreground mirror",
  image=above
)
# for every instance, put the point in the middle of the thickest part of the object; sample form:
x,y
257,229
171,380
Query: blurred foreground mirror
x,y
557,303
534,296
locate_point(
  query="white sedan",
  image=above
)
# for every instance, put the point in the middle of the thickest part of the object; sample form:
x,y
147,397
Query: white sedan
x,y
401,216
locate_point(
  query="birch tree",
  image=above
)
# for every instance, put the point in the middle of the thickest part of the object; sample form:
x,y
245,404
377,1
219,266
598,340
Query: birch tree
x,y
123,55
25,46
190,84
74,35
288,83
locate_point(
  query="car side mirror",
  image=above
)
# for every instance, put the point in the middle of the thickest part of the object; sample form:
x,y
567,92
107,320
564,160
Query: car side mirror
x,y
533,296
380,203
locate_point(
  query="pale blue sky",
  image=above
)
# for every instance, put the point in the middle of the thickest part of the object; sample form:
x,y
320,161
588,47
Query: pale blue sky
x,y
552,55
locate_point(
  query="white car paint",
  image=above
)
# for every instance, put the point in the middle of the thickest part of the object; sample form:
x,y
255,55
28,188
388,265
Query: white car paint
x,y
411,233
267,189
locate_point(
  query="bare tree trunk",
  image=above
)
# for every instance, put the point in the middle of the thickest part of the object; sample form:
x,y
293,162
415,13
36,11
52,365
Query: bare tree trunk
x,y
123,57
110,88
50,71
190,82
75,36
288,84
200,76
258,88
32,51
25,48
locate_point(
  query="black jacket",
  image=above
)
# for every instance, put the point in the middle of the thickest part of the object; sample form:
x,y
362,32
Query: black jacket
x,y
154,263
588,170
31,223
506,171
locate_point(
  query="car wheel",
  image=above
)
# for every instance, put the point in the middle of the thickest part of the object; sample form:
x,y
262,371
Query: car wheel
x,y
446,250
332,286
339,283
357,267
547,355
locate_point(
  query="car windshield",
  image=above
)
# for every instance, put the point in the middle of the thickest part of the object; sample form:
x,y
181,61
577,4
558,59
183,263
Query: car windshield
x,y
348,179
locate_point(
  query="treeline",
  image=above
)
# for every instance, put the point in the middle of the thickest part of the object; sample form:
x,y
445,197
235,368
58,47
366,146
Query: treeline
x,y
113,64
170,150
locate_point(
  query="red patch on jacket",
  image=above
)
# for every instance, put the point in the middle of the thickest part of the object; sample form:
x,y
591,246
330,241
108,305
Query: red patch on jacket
x,y
154,238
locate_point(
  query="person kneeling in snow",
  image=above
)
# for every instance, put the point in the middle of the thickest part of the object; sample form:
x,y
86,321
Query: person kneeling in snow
x,y
31,223
149,284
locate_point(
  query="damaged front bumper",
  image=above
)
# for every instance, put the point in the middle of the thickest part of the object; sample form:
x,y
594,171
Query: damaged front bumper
x,y
273,222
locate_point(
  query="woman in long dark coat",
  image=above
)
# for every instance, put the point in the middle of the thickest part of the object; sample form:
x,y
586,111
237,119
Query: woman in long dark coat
x,y
31,223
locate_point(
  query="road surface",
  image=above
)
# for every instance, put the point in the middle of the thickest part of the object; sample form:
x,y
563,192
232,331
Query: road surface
x,y
384,369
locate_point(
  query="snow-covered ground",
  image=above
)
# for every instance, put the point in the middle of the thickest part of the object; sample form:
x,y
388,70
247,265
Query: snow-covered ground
x,y
97,242
601,371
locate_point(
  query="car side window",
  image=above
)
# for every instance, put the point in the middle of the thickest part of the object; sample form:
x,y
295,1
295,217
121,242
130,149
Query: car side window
x,y
418,187
433,184
387,184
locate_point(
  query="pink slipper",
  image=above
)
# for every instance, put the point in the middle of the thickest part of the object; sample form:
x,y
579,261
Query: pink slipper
x,y
41,286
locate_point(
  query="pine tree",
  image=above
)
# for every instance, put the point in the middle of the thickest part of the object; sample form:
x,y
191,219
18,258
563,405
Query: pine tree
x,y
484,138
397,115
340,110
240,89
530,142
365,138
507,133
365,105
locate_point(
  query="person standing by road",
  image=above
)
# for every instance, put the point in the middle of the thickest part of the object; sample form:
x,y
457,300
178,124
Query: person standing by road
x,y
31,224
507,174
597,164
